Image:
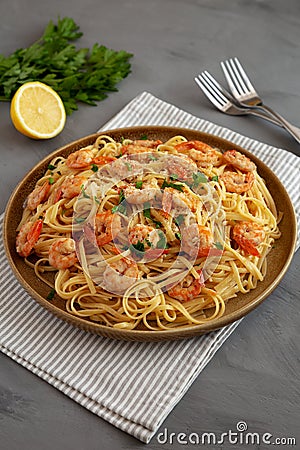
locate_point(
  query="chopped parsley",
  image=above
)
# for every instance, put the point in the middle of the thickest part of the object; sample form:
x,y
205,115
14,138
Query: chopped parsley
x,y
215,178
162,243
179,219
219,246
148,215
80,219
198,178
146,211
166,183
144,137
51,180
51,294
139,184
153,158
83,192
121,207
121,196
95,168
137,249
51,167
139,246
148,243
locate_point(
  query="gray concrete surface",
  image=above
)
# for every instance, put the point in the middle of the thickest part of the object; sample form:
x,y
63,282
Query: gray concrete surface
x,y
255,376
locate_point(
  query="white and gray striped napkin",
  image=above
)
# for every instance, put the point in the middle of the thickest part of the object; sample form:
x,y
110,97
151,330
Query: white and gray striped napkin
x,y
133,385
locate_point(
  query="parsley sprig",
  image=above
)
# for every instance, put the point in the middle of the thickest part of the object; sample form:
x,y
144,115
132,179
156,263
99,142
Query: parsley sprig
x,y
121,207
77,75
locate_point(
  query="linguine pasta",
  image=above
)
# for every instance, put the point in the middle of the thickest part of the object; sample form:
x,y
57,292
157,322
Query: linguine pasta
x,y
149,234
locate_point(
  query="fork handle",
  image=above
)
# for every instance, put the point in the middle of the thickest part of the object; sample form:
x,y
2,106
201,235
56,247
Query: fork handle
x,y
294,131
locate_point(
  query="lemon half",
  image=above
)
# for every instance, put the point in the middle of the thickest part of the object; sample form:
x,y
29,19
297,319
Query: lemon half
x,y
37,111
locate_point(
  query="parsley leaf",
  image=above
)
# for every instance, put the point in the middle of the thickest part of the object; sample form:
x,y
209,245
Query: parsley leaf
x,y
95,168
85,195
219,246
148,215
146,211
178,235
165,184
80,219
51,294
137,249
51,167
121,207
198,178
77,75
179,219
162,240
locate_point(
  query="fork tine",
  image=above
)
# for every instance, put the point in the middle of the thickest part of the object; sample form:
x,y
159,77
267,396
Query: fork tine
x,y
215,97
213,88
214,85
208,93
237,78
244,75
236,88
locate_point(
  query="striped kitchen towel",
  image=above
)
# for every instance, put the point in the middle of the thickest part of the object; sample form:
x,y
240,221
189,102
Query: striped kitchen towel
x,y
133,385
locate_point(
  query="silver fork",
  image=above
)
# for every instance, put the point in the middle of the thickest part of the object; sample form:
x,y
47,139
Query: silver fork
x,y
224,101
244,92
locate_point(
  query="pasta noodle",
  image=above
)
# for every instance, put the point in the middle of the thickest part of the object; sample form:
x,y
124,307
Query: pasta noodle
x,y
148,234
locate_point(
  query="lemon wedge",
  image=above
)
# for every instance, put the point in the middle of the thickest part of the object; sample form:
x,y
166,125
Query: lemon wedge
x,y
37,111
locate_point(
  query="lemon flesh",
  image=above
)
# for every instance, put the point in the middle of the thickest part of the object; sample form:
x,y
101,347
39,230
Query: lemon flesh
x,y
37,111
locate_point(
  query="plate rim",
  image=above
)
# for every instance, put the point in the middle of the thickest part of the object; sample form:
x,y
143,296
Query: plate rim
x,y
146,335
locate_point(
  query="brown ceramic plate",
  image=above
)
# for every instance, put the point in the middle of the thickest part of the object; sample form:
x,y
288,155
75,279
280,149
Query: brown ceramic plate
x,y
278,260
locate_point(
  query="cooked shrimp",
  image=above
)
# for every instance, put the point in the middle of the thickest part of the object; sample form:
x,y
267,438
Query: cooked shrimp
x,y
81,159
136,196
28,236
197,240
62,253
176,201
188,288
120,275
203,154
237,182
124,168
183,167
248,235
149,243
140,146
71,187
239,161
107,227
101,160
143,233
38,195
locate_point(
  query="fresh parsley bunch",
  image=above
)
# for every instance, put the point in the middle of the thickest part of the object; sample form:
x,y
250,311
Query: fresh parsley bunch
x,y
77,75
